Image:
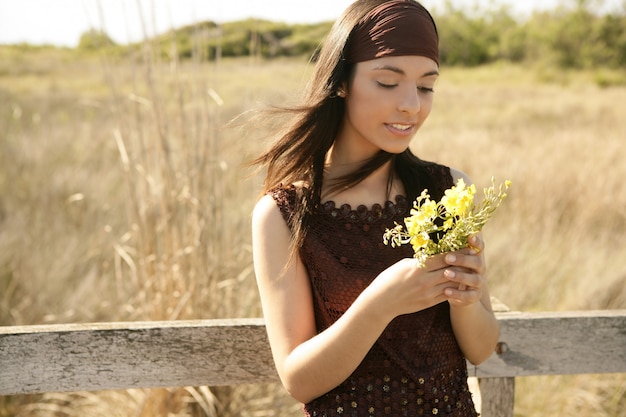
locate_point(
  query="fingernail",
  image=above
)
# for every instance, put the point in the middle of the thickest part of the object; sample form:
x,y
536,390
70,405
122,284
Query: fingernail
x,y
449,273
450,258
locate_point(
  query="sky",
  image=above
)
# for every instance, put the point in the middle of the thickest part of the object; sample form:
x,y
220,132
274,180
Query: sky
x,y
61,22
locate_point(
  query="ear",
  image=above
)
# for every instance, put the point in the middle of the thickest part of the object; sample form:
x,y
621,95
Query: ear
x,y
342,91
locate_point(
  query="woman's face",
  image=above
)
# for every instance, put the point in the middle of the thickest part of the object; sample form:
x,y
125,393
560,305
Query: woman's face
x,y
387,101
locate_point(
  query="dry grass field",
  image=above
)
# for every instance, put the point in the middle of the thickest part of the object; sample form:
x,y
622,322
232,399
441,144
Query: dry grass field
x,y
123,196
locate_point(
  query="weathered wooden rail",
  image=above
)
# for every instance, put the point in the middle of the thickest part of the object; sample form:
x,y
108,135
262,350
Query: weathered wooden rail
x,y
87,357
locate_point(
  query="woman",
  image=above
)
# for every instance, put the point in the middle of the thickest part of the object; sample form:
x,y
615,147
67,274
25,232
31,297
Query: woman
x,y
357,327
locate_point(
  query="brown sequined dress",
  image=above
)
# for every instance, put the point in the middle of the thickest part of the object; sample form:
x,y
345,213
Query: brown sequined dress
x,y
415,367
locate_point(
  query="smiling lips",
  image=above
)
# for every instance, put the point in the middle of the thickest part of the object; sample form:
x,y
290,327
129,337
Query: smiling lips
x,y
400,127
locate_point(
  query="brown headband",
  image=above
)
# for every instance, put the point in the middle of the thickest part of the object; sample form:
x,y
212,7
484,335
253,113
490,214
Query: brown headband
x,y
395,28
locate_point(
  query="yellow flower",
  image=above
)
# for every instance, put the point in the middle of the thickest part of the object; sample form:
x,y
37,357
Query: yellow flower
x,y
419,240
459,199
460,218
421,217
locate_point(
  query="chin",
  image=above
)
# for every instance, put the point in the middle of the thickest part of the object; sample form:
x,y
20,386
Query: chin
x,y
395,149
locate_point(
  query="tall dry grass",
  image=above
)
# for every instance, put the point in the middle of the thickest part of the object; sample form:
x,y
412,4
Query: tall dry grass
x,y
127,201
123,198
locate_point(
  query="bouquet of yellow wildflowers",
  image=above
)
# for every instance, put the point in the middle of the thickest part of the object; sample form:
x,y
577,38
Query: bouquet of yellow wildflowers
x,y
452,220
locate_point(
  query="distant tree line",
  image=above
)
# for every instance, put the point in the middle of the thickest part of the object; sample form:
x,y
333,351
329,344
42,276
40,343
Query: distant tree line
x,y
569,37
574,37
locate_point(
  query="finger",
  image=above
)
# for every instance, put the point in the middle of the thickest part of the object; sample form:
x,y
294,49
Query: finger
x,y
442,288
436,262
459,297
475,244
474,262
464,279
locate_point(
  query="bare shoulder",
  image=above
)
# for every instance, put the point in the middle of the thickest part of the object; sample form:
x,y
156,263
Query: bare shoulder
x,y
268,220
456,175
265,210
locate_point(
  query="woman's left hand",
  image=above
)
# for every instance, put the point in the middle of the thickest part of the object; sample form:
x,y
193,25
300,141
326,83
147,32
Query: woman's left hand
x,y
467,268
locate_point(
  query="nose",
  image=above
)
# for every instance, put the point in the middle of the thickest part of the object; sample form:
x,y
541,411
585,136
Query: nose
x,y
409,101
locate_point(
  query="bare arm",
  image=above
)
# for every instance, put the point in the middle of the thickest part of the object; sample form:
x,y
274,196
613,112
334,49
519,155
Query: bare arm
x,y
308,364
473,322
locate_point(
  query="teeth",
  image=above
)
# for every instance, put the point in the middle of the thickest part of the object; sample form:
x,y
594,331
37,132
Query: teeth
x,y
401,127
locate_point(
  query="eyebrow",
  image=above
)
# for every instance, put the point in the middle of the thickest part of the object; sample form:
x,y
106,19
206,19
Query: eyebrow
x,y
401,71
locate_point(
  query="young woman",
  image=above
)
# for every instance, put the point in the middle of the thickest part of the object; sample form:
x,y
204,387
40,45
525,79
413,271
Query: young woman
x,y
357,327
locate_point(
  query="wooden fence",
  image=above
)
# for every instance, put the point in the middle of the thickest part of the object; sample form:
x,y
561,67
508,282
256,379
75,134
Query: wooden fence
x,y
87,357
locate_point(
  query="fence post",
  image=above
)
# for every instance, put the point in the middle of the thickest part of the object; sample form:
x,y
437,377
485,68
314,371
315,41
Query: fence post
x,y
497,396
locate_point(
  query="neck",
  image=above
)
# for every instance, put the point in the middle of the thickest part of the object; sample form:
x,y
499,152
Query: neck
x,y
341,162
370,190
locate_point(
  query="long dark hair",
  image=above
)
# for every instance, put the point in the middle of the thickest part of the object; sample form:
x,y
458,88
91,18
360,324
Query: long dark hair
x,y
299,155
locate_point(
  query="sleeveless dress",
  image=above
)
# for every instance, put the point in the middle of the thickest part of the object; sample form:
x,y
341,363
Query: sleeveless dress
x,y
416,366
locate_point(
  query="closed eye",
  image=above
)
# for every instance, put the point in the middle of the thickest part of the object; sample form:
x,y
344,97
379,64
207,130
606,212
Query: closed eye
x,y
426,89
388,86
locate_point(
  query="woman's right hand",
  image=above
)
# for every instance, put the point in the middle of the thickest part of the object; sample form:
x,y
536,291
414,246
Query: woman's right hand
x,y
405,287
